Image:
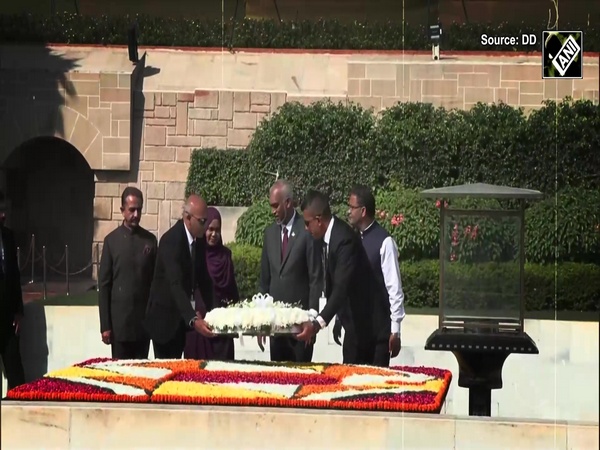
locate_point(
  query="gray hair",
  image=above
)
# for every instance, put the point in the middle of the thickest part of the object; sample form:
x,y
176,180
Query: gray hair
x,y
286,188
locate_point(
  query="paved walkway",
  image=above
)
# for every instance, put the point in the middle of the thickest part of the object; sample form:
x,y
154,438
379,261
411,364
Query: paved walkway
x,y
35,291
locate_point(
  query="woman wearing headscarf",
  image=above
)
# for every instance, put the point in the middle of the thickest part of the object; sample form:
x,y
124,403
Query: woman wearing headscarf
x,y
220,268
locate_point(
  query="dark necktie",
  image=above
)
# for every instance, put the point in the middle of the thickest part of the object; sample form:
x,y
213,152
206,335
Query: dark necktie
x,y
284,243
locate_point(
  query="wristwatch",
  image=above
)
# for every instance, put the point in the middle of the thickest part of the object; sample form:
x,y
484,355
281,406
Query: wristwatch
x,y
315,323
191,323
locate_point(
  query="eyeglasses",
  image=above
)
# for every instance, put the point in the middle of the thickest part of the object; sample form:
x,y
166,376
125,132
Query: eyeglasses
x,y
202,220
354,207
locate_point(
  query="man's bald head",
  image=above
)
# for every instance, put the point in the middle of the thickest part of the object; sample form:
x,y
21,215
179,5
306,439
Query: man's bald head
x,y
194,205
194,214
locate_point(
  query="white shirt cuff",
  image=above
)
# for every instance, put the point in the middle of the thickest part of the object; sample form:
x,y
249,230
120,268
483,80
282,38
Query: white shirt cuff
x,y
321,322
396,327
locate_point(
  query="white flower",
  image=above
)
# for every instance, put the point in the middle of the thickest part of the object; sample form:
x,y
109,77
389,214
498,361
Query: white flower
x,y
259,313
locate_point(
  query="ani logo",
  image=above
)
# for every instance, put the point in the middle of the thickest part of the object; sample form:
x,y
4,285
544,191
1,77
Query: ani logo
x,y
562,54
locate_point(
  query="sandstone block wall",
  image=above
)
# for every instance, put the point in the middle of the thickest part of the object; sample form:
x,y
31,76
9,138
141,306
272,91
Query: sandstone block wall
x,y
92,111
173,124
462,85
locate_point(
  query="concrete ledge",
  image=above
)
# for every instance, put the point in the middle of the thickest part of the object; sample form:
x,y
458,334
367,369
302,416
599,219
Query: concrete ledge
x,y
103,426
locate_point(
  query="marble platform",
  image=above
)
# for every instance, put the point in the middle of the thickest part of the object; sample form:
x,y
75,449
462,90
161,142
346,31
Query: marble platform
x,y
91,426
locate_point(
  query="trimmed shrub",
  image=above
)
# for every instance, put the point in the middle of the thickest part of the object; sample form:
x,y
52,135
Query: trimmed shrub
x,y
246,265
577,285
414,221
252,223
325,146
220,176
565,227
69,28
413,145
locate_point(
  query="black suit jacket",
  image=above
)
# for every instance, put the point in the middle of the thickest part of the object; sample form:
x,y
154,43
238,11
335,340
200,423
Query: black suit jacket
x,y
349,278
124,279
11,297
296,278
169,308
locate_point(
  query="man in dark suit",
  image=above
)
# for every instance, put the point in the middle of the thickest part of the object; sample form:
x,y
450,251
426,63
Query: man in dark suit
x,y
11,303
179,277
288,269
124,279
347,281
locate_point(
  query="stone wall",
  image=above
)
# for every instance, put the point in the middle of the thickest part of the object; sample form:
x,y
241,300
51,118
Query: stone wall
x,y
92,111
173,125
462,85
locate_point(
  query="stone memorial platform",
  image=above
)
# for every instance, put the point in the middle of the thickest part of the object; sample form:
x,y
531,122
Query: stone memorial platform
x,y
35,425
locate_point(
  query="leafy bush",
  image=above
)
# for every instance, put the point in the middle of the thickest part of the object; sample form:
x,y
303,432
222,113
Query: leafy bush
x,y
562,145
246,264
577,285
314,147
565,227
252,223
332,147
414,155
71,28
219,176
414,221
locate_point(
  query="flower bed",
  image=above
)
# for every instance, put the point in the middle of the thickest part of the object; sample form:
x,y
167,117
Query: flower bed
x,y
243,383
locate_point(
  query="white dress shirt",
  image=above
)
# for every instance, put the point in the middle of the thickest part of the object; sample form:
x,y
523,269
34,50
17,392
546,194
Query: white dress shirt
x,y
289,226
326,239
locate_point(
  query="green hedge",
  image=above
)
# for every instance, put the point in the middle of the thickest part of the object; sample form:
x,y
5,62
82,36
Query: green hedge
x,y
577,285
220,176
415,145
308,34
561,228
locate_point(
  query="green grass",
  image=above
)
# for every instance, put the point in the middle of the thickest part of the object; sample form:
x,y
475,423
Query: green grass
x,y
89,298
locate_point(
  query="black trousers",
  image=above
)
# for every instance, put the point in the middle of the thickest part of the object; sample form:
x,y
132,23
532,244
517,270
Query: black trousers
x,y
131,349
284,348
10,352
172,349
357,349
381,357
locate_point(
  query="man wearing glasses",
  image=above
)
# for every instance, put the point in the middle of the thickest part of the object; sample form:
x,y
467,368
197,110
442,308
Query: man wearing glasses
x,y
387,287
181,288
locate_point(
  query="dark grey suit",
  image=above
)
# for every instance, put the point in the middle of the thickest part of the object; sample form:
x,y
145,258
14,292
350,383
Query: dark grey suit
x,y
293,279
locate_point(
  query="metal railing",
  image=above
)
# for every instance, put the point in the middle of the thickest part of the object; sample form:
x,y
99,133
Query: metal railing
x,y
34,256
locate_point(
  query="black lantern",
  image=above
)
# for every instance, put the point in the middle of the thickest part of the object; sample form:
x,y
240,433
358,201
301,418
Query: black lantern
x,y
482,283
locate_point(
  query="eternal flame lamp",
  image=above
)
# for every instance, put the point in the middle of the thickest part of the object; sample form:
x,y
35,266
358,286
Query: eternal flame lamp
x,y
482,284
